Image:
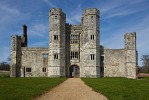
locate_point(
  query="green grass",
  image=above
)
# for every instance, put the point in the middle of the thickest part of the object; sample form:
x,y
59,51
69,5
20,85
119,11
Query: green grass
x,y
120,88
25,88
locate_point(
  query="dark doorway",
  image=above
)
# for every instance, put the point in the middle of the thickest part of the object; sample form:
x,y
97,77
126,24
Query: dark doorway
x,y
74,71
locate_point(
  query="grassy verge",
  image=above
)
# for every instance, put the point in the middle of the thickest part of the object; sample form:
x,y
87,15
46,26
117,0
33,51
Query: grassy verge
x,y
120,88
25,88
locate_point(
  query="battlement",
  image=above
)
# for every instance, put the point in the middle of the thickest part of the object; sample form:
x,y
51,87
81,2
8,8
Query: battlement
x,y
57,11
130,34
15,37
90,11
76,27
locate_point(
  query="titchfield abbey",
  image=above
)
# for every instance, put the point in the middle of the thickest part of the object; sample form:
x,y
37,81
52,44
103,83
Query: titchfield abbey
x,y
74,51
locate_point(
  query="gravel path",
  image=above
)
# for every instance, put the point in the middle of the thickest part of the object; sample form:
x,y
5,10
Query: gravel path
x,y
72,89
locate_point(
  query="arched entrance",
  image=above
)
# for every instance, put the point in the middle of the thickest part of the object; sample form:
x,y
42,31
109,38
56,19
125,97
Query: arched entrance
x,y
74,71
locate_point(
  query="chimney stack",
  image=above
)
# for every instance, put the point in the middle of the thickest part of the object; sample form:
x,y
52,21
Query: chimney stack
x,y
24,37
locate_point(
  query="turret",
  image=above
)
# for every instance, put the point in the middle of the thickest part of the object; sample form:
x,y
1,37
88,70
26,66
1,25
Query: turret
x,y
57,21
131,55
90,53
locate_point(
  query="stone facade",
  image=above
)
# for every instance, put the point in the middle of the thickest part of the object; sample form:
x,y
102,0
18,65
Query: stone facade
x,y
74,51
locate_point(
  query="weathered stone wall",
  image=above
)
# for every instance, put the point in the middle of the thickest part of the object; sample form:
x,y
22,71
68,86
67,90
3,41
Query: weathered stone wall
x,y
33,58
114,63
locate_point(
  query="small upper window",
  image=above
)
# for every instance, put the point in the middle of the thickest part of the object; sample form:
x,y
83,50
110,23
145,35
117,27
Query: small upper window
x,y
92,56
55,56
55,37
92,37
55,17
92,19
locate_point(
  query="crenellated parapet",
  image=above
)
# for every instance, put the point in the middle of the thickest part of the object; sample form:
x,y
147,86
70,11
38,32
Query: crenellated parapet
x,y
91,11
57,11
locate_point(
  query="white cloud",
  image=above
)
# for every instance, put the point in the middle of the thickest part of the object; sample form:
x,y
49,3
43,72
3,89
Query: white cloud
x,y
38,29
49,2
120,8
8,14
75,15
40,44
5,54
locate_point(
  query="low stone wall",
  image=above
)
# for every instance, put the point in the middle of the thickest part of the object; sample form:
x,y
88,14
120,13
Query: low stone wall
x,y
4,73
143,75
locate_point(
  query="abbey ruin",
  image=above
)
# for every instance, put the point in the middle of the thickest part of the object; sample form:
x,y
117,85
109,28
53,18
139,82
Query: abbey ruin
x,y
74,51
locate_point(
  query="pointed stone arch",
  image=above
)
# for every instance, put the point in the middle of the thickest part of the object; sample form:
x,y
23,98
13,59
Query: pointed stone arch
x,y
74,71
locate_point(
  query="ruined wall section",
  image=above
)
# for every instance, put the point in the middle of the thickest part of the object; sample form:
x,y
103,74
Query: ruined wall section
x,y
15,69
57,21
114,63
131,55
35,60
90,53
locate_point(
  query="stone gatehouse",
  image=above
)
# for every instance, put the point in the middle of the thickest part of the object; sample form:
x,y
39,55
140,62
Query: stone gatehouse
x,y
74,51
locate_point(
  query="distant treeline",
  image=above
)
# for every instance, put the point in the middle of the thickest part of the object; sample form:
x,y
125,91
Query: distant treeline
x,y
4,66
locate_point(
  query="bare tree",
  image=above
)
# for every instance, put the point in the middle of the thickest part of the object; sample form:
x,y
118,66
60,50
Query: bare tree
x,y
145,62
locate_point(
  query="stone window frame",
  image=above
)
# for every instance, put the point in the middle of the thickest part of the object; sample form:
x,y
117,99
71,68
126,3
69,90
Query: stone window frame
x,y
45,57
92,56
28,69
74,38
92,19
44,69
74,55
55,37
56,56
56,17
92,37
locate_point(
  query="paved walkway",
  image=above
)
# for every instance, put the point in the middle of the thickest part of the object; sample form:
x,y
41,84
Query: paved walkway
x,y
72,89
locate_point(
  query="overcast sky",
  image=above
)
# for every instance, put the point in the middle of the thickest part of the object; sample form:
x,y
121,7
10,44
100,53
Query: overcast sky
x,y
116,18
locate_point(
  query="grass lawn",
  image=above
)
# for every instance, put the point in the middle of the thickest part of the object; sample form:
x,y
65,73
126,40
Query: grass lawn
x,y
120,88
25,88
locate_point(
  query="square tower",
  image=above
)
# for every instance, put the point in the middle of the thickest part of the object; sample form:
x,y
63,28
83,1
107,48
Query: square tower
x,y
90,49
57,20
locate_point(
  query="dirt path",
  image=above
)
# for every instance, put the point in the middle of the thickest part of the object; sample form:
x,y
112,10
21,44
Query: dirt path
x,y
72,89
